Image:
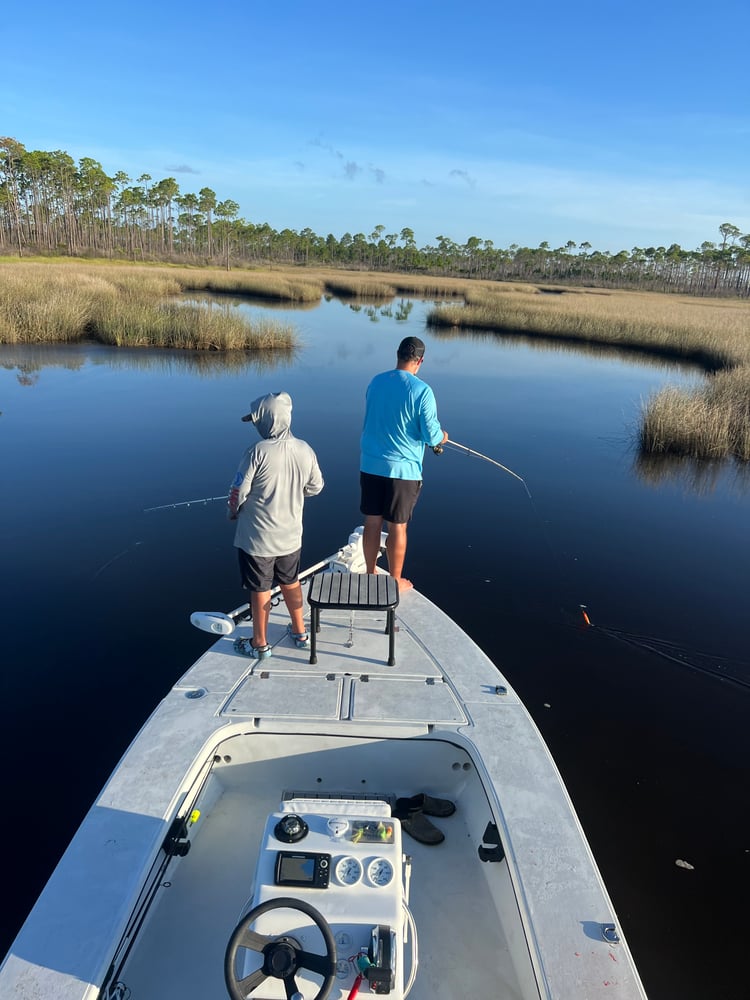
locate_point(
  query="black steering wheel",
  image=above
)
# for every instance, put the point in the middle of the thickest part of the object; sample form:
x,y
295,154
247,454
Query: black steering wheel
x,y
282,955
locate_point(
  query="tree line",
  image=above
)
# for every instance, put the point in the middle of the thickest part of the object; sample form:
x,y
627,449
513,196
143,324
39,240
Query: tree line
x,y
51,205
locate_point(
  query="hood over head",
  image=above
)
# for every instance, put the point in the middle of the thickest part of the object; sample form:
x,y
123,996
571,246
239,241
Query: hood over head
x,y
271,414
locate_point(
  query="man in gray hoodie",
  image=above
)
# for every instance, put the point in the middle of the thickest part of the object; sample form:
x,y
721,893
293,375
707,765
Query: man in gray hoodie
x,y
266,500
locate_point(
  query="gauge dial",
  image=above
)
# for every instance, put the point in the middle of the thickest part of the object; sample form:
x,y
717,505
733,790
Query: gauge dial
x,y
348,871
380,872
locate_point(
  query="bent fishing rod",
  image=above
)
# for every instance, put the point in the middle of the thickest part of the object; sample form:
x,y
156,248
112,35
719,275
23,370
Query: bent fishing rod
x,y
438,449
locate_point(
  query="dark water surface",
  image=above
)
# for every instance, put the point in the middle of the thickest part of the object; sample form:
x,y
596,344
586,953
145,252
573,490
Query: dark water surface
x,y
652,740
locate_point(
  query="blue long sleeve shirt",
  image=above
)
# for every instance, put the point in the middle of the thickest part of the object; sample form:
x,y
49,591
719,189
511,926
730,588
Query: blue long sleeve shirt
x,y
400,419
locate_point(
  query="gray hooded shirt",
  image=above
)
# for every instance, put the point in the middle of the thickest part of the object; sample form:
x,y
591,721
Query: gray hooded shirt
x,y
274,477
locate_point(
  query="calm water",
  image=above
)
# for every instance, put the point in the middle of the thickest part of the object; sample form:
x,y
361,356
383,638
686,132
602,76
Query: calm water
x,y
97,593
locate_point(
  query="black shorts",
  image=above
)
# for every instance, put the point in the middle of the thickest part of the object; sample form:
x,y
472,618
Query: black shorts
x,y
392,499
261,573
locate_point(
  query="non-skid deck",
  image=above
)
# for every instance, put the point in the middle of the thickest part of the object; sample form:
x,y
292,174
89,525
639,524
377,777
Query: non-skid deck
x,y
351,681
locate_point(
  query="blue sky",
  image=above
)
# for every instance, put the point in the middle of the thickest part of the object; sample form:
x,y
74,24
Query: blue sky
x,y
618,124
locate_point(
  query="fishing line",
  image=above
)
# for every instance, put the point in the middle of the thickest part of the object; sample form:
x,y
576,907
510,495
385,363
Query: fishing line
x,y
472,453
114,559
711,665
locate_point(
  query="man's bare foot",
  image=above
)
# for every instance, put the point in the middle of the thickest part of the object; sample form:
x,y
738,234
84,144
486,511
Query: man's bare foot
x,y
404,584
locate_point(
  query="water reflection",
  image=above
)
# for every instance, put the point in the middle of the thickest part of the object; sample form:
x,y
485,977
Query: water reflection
x,y
234,301
661,360
28,360
400,313
699,476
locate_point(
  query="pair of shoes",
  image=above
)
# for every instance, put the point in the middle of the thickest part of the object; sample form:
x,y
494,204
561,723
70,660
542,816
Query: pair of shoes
x,y
413,812
428,805
301,639
245,646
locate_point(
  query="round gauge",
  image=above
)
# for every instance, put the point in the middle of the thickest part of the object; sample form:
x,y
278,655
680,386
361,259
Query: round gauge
x,y
380,871
348,871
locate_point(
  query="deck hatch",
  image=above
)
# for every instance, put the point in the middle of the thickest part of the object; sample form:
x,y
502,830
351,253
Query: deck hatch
x,y
284,694
405,699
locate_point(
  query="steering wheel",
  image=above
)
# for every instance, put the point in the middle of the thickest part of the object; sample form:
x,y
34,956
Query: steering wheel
x,y
282,955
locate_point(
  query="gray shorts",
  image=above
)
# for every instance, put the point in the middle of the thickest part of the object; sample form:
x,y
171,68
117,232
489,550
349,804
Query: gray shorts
x,y
261,573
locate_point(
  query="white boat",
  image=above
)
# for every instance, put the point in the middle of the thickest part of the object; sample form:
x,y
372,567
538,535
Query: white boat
x,y
263,835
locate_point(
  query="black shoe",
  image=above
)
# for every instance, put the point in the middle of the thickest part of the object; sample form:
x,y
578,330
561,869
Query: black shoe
x,y
416,824
426,804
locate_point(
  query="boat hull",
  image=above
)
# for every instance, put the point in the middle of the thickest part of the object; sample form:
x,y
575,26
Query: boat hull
x,y
511,901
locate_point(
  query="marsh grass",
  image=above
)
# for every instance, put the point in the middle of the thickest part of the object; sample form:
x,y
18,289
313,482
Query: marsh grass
x,y
186,326
653,323
124,306
133,305
709,421
359,287
272,285
377,287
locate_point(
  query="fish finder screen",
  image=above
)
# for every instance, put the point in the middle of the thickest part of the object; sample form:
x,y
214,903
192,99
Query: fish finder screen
x,y
295,868
301,868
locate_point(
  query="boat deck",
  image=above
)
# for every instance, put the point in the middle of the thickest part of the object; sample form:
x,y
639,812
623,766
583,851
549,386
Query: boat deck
x,y
351,681
208,890
234,731
351,691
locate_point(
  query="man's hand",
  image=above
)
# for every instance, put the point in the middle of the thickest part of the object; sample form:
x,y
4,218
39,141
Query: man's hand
x,y
233,503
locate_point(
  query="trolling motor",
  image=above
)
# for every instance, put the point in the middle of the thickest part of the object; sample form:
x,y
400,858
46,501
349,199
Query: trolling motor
x,y
213,621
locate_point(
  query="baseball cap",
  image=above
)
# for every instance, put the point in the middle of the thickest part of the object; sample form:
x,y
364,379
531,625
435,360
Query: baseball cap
x,y
411,349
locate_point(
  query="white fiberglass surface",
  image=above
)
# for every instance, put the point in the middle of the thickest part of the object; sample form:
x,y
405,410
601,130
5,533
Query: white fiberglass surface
x,y
454,898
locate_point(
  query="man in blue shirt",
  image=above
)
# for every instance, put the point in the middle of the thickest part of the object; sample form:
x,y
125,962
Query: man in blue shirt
x,y
400,419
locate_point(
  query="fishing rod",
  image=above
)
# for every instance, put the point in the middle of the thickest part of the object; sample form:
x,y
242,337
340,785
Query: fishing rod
x,y
438,449
185,503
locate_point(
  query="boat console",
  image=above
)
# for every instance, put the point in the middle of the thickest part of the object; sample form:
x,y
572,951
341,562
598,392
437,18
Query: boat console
x,y
329,902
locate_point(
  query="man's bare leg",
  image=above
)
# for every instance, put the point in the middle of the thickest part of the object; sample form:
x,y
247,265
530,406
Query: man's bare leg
x,y
292,593
371,540
395,548
260,603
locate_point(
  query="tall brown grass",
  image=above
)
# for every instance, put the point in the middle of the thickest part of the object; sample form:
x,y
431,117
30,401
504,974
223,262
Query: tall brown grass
x,y
123,306
272,285
709,421
134,305
651,322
